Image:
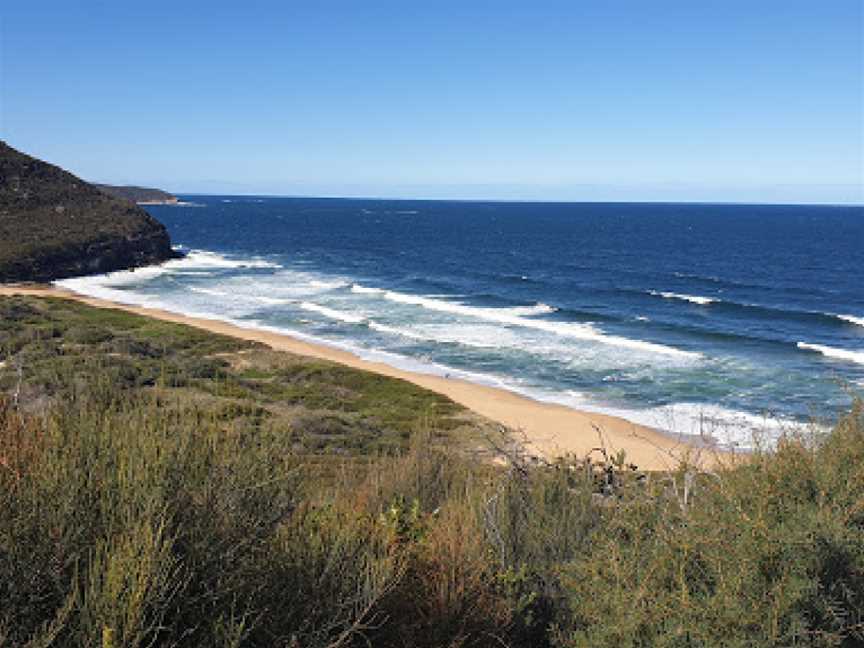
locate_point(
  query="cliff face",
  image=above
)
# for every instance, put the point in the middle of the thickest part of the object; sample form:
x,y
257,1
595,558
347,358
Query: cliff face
x,y
55,225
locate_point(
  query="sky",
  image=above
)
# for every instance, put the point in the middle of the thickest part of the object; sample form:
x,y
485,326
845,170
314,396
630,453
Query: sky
x,y
718,101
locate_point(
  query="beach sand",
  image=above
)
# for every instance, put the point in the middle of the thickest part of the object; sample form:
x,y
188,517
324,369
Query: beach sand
x,y
547,429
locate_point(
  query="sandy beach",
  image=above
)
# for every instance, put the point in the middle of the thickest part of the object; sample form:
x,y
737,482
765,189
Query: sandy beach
x,y
548,429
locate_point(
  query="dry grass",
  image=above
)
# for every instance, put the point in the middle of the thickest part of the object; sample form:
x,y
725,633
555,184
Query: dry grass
x,y
132,514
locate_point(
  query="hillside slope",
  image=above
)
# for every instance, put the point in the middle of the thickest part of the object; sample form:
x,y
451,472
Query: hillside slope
x,y
162,485
55,225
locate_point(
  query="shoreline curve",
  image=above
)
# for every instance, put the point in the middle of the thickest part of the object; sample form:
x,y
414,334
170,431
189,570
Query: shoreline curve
x,y
547,429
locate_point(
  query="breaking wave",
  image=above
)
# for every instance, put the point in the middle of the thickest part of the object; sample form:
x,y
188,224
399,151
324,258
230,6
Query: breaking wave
x,y
693,299
507,317
851,319
205,259
830,352
332,313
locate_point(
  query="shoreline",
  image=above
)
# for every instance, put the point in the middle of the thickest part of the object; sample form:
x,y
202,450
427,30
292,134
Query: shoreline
x,y
547,429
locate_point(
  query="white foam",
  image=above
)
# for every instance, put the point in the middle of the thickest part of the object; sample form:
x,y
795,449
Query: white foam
x,y
479,336
194,260
208,291
570,357
852,319
728,427
831,352
537,309
327,285
376,355
270,301
120,277
331,313
193,273
502,316
693,299
284,284
144,300
92,287
206,259
364,290
391,330
517,311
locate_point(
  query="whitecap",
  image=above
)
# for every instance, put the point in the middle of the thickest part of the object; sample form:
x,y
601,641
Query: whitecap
x,y
327,285
727,426
195,260
537,309
396,360
478,336
207,259
261,299
568,329
852,319
693,299
208,291
831,352
364,290
401,332
331,313
193,273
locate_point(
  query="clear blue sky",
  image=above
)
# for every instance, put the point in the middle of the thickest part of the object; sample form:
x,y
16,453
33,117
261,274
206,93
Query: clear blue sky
x,y
728,100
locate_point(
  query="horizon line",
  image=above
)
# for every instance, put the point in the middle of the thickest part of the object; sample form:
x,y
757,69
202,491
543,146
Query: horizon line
x,y
528,200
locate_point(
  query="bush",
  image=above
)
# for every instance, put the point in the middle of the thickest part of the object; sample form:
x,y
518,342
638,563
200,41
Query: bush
x,y
136,512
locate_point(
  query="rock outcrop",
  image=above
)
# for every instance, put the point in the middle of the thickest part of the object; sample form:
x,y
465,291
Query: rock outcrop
x,y
55,225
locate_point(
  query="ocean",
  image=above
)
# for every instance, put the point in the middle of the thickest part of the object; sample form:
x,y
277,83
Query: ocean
x,y
733,321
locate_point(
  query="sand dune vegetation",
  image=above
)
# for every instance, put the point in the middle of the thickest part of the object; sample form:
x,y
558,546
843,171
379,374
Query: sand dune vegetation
x,y
164,486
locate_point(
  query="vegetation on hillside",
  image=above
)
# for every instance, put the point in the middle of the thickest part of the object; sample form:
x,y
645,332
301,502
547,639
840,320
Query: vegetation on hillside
x,y
54,225
137,194
162,486
61,346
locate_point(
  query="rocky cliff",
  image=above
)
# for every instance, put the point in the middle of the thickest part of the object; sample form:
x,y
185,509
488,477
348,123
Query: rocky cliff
x,y
55,225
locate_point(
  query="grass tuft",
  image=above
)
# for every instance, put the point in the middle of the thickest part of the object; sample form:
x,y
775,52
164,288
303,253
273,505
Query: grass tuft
x,y
161,486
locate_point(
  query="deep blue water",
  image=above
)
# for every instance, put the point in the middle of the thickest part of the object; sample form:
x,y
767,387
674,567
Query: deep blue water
x,y
679,316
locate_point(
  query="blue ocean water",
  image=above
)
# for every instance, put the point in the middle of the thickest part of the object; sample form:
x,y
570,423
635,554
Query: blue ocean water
x,y
712,319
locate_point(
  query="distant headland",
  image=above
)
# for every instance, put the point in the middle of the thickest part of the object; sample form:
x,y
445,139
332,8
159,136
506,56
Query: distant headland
x,y
139,195
55,225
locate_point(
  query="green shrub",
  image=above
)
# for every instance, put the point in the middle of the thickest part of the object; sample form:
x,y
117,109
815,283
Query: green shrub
x,y
141,505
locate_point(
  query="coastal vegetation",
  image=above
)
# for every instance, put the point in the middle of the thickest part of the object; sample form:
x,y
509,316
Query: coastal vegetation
x,y
165,486
137,194
55,225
